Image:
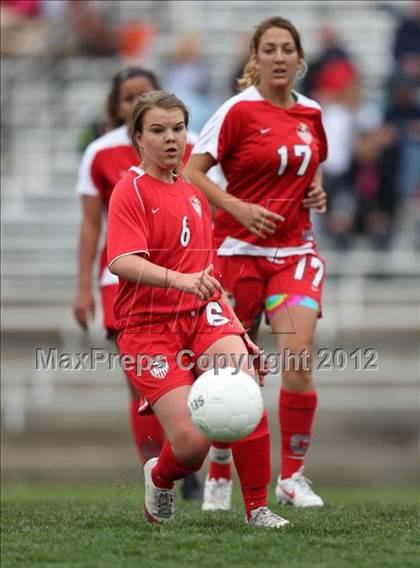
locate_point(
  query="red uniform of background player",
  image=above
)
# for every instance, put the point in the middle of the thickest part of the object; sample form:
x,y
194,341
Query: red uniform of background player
x,y
105,161
269,141
160,245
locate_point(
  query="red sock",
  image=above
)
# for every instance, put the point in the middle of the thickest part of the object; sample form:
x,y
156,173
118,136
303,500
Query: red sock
x,y
220,457
147,432
169,468
252,460
296,413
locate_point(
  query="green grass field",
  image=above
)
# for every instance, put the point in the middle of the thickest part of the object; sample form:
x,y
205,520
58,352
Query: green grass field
x,y
104,527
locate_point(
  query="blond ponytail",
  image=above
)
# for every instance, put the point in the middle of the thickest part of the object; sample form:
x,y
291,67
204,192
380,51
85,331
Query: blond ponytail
x,y
249,75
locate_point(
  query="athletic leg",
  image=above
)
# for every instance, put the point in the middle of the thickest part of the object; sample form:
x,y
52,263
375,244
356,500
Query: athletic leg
x,y
182,454
295,327
251,454
245,291
148,434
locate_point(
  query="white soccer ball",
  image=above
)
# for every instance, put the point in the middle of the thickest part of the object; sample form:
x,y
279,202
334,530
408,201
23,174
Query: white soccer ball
x,y
225,406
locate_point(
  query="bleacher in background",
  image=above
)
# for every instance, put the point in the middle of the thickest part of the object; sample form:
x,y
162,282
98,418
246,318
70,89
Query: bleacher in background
x,y
371,299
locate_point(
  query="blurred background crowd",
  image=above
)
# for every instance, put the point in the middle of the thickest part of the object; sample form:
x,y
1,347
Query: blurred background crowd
x,y
364,69
373,129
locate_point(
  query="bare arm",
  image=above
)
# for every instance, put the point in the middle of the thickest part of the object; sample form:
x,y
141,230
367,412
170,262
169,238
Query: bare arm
x,y
316,198
90,230
196,169
318,176
257,219
232,311
135,268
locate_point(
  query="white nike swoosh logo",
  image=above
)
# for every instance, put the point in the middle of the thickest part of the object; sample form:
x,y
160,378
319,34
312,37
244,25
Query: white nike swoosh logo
x,y
155,210
265,130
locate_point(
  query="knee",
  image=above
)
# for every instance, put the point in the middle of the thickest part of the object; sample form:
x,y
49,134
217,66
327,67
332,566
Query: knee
x,y
298,380
190,446
297,357
297,369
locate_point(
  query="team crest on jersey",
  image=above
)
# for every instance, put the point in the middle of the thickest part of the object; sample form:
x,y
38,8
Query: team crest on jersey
x,y
195,202
159,367
304,133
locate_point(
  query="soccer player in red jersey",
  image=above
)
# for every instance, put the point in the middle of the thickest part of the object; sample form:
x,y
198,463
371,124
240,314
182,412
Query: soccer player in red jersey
x,y
104,163
269,141
160,245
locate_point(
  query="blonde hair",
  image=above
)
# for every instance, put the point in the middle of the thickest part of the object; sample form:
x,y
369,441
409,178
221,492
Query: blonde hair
x,y
250,75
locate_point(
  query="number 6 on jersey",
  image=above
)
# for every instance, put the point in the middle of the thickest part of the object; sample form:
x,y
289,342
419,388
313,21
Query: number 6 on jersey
x,y
185,236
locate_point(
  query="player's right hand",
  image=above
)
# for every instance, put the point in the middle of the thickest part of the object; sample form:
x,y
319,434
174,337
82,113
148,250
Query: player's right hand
x,y
260,363
84,308
202,284
257,219
316,199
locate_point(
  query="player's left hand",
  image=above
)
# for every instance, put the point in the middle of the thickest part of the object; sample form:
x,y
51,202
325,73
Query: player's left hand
x,y
316,199
260,364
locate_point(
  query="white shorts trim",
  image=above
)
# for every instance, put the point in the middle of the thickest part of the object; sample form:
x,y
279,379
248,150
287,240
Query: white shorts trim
x,y
235,247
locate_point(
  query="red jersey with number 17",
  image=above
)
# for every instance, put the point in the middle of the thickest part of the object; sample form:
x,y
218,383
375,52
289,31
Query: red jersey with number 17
x,y
269,156
170,224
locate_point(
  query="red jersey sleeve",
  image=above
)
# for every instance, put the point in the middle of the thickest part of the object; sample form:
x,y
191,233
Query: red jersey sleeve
x,y
221,133
128,229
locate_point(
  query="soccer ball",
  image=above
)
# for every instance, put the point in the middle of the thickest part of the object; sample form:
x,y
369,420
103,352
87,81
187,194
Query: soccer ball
x,y
225,406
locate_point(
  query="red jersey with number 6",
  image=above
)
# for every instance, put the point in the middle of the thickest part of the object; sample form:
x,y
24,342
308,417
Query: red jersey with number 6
x,y
170,224
105,161
269,156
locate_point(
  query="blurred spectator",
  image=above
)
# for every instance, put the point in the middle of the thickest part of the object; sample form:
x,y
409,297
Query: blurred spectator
x,y
376,168
69,27
407,44
94,35
24,30
187,76
403,98
332,81
361,173
339,117
331,71
134,37
188,69
403,113
58,27
24,8
366,156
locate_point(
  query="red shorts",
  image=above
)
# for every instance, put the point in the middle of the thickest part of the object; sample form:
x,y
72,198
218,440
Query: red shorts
x,y
108,296
158,350
257,284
